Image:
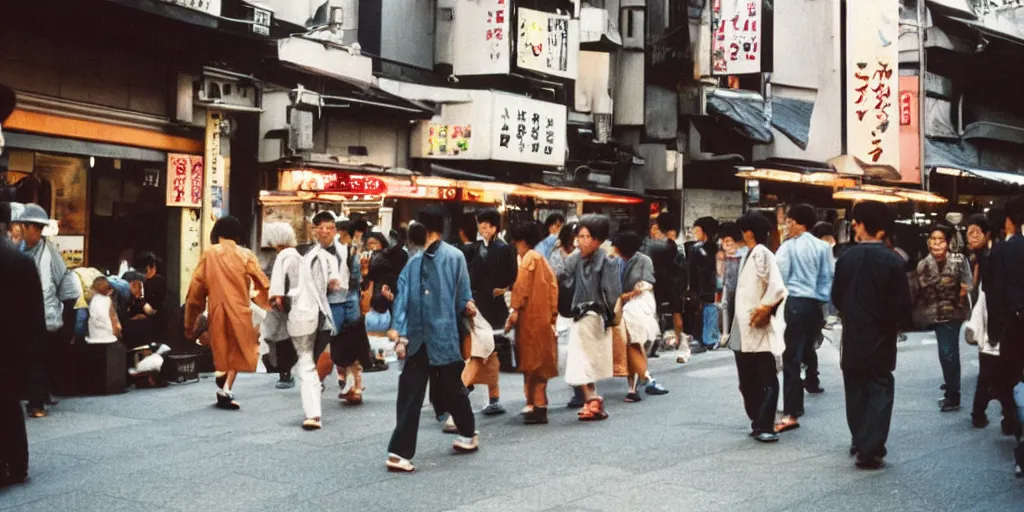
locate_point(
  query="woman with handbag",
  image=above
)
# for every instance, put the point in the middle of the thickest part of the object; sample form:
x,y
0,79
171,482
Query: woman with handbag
x,y
756,336
639,313
944,281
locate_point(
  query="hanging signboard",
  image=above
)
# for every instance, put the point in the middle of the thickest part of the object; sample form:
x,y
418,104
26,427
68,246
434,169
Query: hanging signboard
x,y
548,43
211,7
184,180
448,139
872,78
528,130
482,40
735,37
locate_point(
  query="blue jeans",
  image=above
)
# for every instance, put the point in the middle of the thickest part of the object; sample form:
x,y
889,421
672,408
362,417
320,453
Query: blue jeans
x,y
710,333
345,314
948,334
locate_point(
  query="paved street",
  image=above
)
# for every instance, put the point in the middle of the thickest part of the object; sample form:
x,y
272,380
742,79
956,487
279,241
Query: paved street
x,y
170,450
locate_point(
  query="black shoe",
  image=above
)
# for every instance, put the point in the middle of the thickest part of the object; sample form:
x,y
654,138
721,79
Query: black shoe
x,y
942,387
538,416
653,355
950,403
633,397
853,450
227,403
698,349
868,462
979,421
814,389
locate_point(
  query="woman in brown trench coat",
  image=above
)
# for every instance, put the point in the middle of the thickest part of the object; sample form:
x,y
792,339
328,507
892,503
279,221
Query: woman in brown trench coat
x,y
224,277
535,309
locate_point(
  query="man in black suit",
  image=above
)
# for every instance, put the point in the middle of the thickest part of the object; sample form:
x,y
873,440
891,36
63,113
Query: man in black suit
x,y
1004,297
24,324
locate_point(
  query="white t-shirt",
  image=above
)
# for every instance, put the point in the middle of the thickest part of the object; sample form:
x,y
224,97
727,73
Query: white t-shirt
x,y
101,329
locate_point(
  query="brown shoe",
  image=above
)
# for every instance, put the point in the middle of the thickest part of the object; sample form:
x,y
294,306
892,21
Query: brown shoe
x,y
37,413
537,416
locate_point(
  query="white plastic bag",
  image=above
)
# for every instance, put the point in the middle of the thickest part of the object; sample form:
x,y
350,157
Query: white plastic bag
x,y
481,336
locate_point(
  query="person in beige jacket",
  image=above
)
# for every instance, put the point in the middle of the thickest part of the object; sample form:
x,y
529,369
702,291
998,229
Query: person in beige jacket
x,y
756,333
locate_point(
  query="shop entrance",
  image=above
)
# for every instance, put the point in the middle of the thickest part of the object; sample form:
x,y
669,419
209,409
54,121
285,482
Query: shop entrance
x,y
127,212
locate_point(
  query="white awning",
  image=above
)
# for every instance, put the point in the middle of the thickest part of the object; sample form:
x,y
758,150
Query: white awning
x,y
326,58
417,92
1006,178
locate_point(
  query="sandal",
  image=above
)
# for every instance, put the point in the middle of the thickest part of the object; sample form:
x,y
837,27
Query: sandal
x,y
786,424
593,410
632,397
398,464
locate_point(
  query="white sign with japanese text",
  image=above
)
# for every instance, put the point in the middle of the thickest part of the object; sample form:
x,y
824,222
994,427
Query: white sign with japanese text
x,y
548,43
872,82
735,37
482,38
528,130
211,7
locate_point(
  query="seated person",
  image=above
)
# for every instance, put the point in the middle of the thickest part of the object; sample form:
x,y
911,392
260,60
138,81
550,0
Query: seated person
x,y
104,326
134,318
155,286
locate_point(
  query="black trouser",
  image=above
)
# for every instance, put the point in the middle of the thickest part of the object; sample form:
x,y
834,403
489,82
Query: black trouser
x,y
14,448
803,324
811,360
995,381
412,389
284,352
759,385
48,367
869,399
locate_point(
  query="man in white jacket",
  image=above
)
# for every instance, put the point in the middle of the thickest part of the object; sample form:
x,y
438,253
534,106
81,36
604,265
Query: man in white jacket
x,y
756,334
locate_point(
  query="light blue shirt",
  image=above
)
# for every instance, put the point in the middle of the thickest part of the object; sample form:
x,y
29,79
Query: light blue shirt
x,y
806,266
545,246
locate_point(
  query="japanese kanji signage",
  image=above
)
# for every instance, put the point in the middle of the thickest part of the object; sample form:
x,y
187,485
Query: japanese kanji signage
x,y
735,37
547,43
482,38
528,130
184,180
207,6
872,78
495,126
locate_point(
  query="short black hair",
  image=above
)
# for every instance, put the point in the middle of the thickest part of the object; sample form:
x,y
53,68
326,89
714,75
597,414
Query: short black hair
x,y
343,225
467,224
1015,211
822,229
490,216
380,238
147,259
132,276
757,224
229,228
627,243
358,226
433,217
526,231
324,216
417,234
667,222
554,218
874,215
598,225
980,220
947,232
803,214
568,233
731,230
709,225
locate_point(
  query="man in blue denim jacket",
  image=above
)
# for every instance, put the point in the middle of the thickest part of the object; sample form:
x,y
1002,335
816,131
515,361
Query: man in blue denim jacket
x,y
433,293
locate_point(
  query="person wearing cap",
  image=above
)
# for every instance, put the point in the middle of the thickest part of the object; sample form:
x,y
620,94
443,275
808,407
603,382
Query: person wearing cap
x,y
56,289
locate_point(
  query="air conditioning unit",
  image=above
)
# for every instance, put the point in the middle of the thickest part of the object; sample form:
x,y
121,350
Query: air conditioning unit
x,y
226,89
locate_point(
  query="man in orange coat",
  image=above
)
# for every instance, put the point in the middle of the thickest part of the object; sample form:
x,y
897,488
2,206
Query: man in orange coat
x,y
534,312
224,277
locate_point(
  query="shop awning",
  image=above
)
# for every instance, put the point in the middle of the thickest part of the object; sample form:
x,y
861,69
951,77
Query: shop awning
x,y
994,131
326,58
953,158
795,171
745,109
887,195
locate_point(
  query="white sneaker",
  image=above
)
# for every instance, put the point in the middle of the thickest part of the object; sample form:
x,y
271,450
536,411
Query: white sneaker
x,y
449,426
467,444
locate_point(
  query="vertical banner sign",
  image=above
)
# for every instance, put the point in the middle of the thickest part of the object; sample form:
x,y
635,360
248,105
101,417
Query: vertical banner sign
x,y
191,248
213,193
872,82
547,43
735,37
910,139
184,180
482,39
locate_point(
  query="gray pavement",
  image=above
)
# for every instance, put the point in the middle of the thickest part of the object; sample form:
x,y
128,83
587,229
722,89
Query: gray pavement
x,y
168,449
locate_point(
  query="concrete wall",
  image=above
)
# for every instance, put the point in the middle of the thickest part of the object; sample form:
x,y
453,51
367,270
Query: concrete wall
x,y
808,66
629,84
410,41
387,144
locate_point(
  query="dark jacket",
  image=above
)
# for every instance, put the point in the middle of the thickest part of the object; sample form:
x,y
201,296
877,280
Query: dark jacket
x,y
1004,296
22,318
872,295
492,266
703,272
670,270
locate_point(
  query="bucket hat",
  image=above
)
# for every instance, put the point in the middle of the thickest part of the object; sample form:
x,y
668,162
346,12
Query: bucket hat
x,y
33,214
